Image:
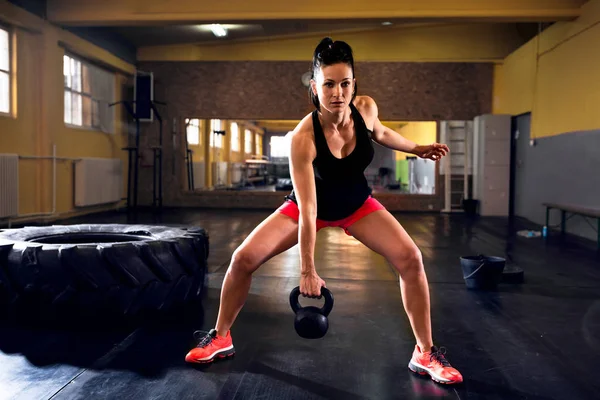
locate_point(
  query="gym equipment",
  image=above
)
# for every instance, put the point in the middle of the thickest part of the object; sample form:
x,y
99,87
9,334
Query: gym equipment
x,y
311,322
482,272
157,193
133,157
513,274
457,167
284,184
101,272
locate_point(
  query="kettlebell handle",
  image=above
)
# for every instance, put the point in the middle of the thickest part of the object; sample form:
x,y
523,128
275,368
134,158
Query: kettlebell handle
x,y
326,293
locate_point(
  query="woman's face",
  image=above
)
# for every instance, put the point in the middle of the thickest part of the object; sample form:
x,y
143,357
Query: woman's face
x,y
334,86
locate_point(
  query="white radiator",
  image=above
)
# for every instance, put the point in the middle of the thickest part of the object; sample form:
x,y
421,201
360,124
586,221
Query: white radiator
x,y
199,175
9,185
236,172
98,181
219,173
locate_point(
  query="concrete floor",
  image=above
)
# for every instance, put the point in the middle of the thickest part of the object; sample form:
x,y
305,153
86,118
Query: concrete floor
x,y
536,340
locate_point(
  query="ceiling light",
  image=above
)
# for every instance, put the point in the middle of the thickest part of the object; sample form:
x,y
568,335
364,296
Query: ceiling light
x,y
218,30
386,23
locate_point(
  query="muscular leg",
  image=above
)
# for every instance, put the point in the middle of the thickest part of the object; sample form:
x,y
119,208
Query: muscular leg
x,y
382,233
276,234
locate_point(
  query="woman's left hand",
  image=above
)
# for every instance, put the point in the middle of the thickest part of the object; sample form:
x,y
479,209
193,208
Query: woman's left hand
x,y
433,151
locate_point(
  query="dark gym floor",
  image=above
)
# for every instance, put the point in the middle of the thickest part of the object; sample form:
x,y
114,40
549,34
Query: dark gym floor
x,y
537,340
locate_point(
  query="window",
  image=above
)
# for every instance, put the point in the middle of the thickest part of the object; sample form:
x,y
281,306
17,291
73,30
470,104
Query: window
x,y
280,146
193,131
235,137
248,142
4,71
216,140
88,92
258,145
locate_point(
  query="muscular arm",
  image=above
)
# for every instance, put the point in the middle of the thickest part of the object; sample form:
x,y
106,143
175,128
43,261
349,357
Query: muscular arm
x,y
391,139
382,134
302,153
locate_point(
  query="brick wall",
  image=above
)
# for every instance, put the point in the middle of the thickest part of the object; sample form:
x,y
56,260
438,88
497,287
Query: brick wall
x,y
272,200
273,90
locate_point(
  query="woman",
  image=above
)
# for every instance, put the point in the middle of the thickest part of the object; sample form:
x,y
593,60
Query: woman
x,y
330,149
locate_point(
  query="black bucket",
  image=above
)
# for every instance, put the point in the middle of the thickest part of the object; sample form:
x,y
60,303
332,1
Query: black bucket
x,y
471,207
482,272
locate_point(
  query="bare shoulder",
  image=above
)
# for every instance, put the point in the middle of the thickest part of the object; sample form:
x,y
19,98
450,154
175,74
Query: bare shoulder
x,y
302,138
368,109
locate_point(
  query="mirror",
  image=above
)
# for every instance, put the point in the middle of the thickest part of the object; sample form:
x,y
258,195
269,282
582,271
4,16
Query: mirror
x,y
252,156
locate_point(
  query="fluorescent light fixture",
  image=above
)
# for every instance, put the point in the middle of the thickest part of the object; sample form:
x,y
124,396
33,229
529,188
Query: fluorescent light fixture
x,y
218,30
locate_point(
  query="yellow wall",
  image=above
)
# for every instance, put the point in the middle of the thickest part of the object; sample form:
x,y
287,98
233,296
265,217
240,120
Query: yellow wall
x,y
498,88
514,81
424,132
37,122
562,91
426,42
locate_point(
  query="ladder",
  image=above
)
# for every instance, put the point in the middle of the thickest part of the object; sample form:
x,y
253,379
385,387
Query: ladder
x,y
456,166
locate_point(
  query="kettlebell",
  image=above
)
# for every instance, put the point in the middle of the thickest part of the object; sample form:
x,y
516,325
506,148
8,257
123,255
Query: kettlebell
x,y
311,322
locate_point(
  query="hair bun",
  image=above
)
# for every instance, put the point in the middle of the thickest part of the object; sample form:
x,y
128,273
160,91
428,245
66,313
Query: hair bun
x,y
325,43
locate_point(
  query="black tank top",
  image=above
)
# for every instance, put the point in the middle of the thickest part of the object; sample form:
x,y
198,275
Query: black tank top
x,y
340,182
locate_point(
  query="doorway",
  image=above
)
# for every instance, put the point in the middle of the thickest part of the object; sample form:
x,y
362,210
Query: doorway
x,y
519,143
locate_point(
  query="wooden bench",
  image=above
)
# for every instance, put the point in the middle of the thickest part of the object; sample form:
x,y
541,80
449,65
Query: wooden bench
x,y
573,209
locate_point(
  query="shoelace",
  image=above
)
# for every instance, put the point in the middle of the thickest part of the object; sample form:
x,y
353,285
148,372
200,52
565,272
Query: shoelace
x,y
203,337
439,357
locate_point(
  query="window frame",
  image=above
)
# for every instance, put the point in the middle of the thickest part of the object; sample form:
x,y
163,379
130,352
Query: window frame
x,y
196,126
216,141
82,61
235,141
278,148
248,133
10,72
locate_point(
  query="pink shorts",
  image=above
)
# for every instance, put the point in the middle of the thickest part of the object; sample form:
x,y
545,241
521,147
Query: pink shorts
x,y
370,205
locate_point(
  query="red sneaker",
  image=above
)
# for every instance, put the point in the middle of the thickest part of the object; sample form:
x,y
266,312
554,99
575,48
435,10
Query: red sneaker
x,y
210,346
434,364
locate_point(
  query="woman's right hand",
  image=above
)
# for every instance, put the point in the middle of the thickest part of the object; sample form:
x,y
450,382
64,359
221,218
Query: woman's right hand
x,y
310,285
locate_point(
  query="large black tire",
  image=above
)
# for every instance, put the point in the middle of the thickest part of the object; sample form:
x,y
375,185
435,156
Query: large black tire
x,y
101,270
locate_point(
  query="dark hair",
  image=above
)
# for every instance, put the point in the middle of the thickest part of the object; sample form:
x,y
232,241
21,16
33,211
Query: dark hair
x,y
329,52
